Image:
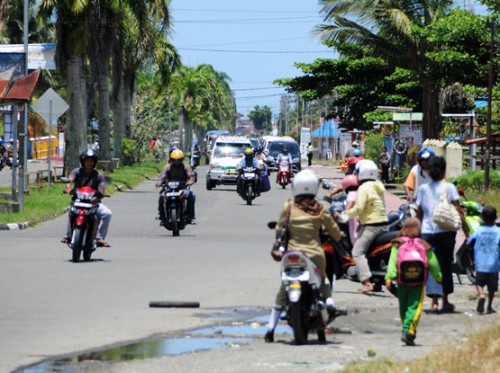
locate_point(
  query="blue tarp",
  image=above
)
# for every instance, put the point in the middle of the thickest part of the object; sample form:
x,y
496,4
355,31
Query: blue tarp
x,y
328,129
480,103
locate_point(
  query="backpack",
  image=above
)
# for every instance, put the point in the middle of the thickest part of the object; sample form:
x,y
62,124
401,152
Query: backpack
x,y
412,262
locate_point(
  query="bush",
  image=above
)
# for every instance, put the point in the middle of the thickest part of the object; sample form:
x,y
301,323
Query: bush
x,y
474,180
374,143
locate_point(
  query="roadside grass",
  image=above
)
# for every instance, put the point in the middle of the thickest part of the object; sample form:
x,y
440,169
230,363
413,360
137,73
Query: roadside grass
x,y
45,202
490,198
478,353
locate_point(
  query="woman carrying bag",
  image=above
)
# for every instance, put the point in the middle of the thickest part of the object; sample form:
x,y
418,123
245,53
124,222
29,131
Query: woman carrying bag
x,y
441,239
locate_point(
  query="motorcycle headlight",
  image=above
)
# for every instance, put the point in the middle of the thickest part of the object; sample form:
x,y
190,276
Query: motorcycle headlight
x,y
296,160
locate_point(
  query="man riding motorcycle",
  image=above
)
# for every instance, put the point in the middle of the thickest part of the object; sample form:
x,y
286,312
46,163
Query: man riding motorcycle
x,y
248,161
284,156
88,176
306,218
176,170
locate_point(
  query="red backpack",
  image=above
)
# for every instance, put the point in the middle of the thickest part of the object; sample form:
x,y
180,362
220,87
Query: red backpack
x,y
412,262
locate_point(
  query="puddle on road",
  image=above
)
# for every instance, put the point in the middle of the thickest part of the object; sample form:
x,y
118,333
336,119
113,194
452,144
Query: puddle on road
x,y
136,351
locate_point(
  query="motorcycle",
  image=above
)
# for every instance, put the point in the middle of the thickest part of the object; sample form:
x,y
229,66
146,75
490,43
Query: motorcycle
x,y
339,260
306,309
249,184
174,204
464,258
84,221
284,174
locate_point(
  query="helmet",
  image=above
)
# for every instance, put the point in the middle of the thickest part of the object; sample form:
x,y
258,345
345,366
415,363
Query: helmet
x,y
285,150
248,151
177,156
355,143
366,170
356,152
305,183
349,181
89,153
425,153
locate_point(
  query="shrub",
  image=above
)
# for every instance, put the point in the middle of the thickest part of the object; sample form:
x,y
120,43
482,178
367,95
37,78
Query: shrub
x,y
374,142
474,180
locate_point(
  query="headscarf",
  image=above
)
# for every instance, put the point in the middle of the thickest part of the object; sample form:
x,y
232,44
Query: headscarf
x,y
309,205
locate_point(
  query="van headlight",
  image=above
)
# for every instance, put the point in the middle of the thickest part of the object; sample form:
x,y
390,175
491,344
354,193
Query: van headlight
x,y
296,160
216,166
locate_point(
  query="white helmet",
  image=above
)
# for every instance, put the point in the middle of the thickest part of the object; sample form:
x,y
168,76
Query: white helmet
x,y
305,182
366,170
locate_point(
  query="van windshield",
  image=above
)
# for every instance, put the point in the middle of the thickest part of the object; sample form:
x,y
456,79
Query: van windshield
x,y
277,147
230,149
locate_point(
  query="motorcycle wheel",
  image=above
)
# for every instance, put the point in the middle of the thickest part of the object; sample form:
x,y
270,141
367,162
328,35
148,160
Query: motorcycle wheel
x,y
470,269
298,316
77,247
321,335
175,223
249,194
283,181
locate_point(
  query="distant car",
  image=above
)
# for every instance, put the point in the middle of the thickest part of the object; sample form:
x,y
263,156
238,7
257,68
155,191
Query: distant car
x,y
210,137
226,152
255,143
276,148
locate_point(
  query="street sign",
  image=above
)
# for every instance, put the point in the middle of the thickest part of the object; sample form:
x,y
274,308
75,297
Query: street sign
x,y
50,106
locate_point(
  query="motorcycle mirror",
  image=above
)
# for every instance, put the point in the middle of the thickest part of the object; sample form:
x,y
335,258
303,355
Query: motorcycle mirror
x,y
272,224
343,218
65,180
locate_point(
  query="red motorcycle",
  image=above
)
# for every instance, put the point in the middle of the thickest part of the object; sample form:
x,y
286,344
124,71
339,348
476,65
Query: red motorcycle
x,y
284,174
84,221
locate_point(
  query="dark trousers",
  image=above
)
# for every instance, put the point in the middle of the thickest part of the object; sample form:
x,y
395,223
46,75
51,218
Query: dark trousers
x,y
385,174
444,245
309,159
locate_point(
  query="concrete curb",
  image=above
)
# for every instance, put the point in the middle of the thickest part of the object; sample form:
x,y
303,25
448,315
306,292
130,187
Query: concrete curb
x,y
19,226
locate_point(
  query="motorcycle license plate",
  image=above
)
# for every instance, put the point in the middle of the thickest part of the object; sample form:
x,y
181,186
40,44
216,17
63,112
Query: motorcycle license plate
x,y
83,205
284,169
173,194
249,176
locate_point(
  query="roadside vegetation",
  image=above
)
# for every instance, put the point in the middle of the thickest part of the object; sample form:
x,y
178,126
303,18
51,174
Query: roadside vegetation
x,y
43,203
478,353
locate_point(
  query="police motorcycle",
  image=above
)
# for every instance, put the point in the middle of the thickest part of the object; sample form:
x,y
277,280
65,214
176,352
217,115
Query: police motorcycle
x,y
84,221
174,205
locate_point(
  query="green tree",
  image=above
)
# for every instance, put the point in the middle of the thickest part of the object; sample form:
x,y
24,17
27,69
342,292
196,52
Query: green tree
x,y
261,117
385,27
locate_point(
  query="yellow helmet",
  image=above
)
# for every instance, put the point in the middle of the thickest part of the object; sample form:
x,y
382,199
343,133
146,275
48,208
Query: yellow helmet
x,y
177,156
248,151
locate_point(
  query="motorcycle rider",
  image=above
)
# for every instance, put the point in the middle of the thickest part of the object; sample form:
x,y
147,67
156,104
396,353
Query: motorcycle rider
x,y
356,157
248,161
87,175
419,173
370,206
176,170
284,156
307,216
3,155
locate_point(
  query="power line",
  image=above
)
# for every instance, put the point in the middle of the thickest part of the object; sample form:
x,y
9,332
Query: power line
x,y
256,97
255,89
247,42
251,20
240,51
243,11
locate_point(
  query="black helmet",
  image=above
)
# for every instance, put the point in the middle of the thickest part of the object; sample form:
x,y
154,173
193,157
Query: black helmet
x,y
89,153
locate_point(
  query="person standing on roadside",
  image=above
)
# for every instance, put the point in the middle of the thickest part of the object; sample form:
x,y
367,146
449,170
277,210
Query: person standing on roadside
x,y
384,162
486,240
309,154
441,240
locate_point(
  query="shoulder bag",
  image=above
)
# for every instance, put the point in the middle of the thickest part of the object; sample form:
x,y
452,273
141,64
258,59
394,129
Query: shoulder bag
x,y
445,215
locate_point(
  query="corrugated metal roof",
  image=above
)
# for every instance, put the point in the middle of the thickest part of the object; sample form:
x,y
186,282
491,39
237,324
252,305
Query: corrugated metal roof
x,y
22,89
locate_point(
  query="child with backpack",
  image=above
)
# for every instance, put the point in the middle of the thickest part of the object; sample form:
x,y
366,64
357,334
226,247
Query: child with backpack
x,y
411,258
486,240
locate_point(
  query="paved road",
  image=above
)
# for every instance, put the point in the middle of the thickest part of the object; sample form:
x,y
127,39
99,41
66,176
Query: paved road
x,y
52,307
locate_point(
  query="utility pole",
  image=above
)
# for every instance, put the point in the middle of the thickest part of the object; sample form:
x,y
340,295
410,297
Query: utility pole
x,y
488,123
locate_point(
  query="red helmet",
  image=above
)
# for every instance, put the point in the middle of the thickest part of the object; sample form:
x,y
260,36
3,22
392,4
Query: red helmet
x,y
349,181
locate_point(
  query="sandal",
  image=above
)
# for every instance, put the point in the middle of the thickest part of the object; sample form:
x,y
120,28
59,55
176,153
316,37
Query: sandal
x,y
450,308
192,222
100,242
65,240
434,309
364,289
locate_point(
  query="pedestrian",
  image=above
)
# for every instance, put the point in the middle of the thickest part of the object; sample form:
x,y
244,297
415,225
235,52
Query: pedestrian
x,y
152,144
384,162
419,174
309,154
486,240
411,276
441,240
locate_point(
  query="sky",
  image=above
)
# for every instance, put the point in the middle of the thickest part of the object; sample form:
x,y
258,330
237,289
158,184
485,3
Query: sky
x,y
253,42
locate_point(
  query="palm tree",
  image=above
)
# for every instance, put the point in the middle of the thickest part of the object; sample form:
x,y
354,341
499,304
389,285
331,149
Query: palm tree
x,y
385,27
72,34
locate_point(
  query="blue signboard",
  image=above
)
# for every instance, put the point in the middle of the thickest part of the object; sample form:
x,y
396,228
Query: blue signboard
x,y
9,60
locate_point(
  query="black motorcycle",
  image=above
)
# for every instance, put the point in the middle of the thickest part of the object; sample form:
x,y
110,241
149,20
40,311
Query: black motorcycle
x,y
249,184
174,204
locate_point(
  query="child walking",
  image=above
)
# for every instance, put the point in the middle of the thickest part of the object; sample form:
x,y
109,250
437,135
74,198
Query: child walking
x,y
411,258
486,240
